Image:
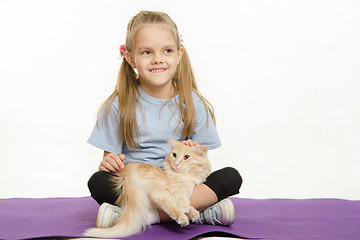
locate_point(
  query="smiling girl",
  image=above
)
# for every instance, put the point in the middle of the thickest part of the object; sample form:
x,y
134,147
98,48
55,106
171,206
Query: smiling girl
x,y
160,100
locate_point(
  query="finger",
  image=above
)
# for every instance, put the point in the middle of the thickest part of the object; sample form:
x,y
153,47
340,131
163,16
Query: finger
x,y
117,162
122,157
102,168
190,143
108,166
114,161
122,160
187,142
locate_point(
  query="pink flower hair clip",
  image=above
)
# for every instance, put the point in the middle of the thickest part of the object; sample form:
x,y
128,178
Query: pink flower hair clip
x,y
122,52
181,38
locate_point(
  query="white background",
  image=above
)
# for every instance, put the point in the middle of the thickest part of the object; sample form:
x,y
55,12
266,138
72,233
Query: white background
x,y
283,76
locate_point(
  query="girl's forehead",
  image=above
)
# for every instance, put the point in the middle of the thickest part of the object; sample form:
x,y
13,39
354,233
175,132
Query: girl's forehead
x,y
154,33
162,26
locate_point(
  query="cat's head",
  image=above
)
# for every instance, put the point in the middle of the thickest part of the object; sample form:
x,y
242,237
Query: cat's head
x,y
185,159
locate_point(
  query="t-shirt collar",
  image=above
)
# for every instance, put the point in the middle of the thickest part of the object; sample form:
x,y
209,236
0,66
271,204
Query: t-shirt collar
x,y
152,99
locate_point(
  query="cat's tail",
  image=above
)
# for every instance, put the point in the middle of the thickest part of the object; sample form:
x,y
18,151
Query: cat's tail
x,y
136,212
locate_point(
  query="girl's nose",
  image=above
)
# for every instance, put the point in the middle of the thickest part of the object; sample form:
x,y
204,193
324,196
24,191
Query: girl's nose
x,y
157,58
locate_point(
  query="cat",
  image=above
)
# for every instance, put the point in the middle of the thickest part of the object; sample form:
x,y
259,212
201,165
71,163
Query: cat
x,y
145,187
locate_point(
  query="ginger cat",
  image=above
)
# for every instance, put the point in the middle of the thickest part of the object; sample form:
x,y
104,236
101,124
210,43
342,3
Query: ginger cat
x,y
147,187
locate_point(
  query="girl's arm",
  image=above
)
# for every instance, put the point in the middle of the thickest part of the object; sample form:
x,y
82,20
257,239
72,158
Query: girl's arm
x,y
112,162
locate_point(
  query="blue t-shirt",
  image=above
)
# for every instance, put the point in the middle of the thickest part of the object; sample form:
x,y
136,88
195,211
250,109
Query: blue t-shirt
x,y
156,122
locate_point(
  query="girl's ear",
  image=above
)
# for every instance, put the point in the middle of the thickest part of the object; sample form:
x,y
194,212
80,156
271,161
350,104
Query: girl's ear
x,y
180,53
129,59
172,142
202,149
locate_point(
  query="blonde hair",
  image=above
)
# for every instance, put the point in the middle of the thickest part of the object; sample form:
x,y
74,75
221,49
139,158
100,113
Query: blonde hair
x,y
127,86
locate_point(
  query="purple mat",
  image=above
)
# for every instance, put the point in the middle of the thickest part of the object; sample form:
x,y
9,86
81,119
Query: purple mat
x,y
271,219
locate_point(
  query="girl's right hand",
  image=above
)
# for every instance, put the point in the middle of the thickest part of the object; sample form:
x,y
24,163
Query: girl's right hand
x,y
190,143
112,162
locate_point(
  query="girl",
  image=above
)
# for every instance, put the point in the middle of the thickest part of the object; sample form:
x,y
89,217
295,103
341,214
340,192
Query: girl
x,y
159,100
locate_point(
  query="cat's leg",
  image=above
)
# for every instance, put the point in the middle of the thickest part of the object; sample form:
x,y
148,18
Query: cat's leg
x,y
185,207
183,204
193,213
165,201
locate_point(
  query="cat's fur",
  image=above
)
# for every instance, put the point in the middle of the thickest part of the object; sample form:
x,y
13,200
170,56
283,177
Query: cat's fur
x,y
147,187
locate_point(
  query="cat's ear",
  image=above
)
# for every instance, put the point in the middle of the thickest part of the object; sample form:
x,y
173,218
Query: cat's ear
x,y
172,142
202,149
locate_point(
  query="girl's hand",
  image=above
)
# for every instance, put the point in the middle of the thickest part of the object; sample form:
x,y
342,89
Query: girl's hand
x,y
190,143
112,162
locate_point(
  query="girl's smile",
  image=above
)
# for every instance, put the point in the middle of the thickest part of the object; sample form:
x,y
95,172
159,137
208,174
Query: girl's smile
x,y
158,70
155,56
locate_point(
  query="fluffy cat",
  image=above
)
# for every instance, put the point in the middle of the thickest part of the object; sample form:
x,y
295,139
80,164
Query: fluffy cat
x,y
146,187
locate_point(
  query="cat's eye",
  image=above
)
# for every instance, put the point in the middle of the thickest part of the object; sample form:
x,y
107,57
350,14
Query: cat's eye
x,y
186,157
174,155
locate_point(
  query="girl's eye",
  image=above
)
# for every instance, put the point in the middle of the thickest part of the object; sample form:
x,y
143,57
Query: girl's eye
x,y
174,155
186,157
145,53
168,51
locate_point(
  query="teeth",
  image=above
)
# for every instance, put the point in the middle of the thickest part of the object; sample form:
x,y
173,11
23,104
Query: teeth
x,y
158,70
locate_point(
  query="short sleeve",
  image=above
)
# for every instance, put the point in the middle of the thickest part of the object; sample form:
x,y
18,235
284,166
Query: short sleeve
x,y
205,131
106,133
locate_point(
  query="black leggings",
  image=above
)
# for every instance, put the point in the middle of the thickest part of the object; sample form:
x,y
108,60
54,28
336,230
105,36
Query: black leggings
x,y
224,182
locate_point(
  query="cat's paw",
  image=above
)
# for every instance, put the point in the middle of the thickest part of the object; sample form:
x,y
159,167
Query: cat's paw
x,y
182,220
193,213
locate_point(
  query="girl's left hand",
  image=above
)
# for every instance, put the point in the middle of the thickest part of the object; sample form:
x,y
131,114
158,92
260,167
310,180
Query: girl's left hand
x,y
190,143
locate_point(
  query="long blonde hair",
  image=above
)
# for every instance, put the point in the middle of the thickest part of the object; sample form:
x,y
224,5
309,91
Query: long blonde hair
x,y
127,86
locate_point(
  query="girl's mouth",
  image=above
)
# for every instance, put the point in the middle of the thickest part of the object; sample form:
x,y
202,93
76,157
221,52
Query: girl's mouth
x,y
158,70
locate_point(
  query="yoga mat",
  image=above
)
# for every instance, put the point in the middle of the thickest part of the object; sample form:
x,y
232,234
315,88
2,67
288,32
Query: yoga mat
x,y
282,219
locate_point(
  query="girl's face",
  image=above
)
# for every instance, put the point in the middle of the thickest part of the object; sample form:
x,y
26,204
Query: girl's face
x,y
155,55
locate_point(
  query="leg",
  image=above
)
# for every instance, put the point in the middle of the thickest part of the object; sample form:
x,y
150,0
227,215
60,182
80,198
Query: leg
x,y
193,213
169,208
224,182
219,185
102,190
202,198
101,187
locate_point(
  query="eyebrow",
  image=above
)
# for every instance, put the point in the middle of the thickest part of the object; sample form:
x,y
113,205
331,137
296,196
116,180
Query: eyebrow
x,y
170,46
148,47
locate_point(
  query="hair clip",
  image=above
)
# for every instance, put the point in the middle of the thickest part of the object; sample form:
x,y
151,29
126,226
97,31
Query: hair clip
x,y
181,38
122,52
